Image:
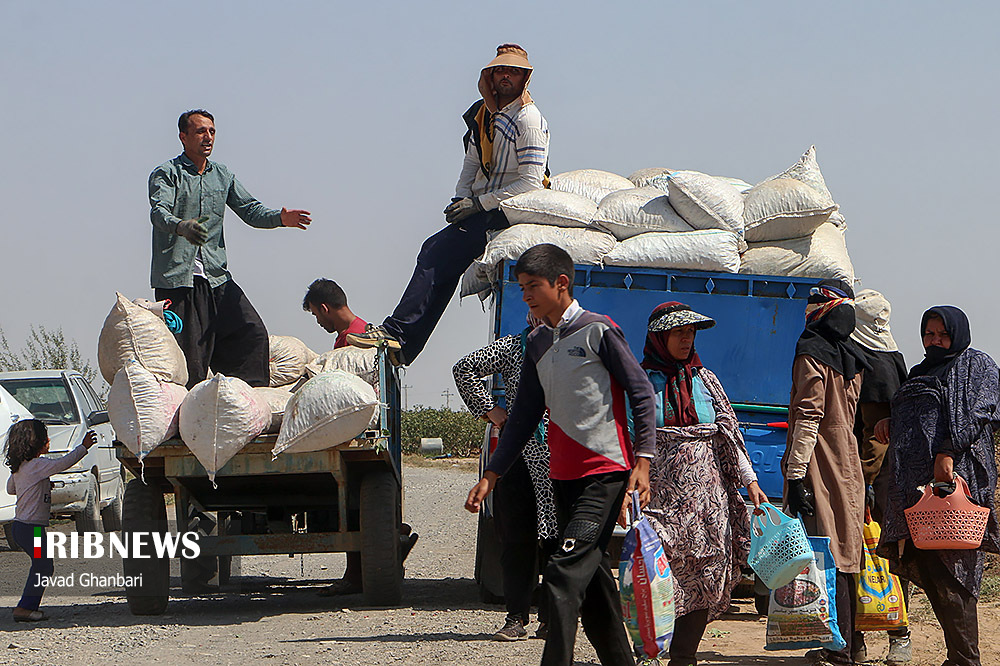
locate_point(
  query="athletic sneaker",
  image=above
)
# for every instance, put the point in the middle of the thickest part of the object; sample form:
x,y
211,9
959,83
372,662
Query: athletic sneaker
x,y
374,336
542,632
900,651
513,630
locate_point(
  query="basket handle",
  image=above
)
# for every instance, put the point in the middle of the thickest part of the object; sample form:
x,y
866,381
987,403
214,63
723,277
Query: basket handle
x,y
957,483
757,520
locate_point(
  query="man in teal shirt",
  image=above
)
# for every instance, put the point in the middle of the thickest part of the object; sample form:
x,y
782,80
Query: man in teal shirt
x,y
187,197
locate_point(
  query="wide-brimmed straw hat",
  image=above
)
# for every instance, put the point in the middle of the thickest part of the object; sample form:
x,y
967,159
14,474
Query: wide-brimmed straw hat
x,y
677,314
510,55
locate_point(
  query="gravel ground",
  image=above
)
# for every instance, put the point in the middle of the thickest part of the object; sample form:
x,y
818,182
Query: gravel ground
x,y
274,616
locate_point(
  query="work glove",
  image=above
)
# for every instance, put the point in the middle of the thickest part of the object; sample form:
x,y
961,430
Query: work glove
x,y
800,499
193,230
461,209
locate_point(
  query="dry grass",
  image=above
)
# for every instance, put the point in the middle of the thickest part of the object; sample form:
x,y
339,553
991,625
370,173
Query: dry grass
x,y
462,464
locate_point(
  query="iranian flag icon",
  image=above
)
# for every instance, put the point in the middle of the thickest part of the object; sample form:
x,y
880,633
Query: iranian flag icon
x,y
38,542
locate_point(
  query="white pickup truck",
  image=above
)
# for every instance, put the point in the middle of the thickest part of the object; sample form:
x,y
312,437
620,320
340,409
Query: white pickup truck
x,y
91,491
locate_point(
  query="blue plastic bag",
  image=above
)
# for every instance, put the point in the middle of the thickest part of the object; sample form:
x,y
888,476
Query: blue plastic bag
x,y
803,614
647,587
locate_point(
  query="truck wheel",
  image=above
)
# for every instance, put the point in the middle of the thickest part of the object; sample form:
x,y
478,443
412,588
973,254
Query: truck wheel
x,y
197,574
8,533
111,515
143,510
488,574
381,573
761,603
89,520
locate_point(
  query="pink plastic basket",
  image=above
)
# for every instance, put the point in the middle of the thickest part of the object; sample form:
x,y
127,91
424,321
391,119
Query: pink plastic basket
x,y
947,523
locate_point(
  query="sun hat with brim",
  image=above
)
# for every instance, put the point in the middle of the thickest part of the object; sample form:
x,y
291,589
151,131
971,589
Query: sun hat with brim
x,y
679,315
873,310
510,55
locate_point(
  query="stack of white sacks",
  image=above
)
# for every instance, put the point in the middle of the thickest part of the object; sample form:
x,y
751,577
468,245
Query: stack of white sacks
x,y
329,398
786,225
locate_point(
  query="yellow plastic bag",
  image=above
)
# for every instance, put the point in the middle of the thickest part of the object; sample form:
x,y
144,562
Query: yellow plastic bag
x,y
880,604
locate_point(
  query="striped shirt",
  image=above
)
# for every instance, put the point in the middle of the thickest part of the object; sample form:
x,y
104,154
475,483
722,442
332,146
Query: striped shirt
x,y
520,154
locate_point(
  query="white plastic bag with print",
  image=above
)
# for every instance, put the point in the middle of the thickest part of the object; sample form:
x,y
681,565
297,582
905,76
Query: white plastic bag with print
x,y
647,587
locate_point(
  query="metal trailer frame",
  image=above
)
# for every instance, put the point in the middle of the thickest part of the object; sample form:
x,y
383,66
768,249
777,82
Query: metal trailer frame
x,y
347,498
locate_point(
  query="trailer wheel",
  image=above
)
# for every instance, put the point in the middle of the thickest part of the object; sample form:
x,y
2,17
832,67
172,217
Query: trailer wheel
x,y
761,602
381,573
89,520
111,515
143,510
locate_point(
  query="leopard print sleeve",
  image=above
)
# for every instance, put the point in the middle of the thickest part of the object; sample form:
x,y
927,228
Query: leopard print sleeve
x,y
471,370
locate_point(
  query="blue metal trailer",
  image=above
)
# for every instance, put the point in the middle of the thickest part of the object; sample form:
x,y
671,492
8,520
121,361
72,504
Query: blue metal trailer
x,y
751,349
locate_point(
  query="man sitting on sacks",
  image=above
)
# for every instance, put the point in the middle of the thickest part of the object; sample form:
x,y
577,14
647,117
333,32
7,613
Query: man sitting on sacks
x,y
188,197
506,153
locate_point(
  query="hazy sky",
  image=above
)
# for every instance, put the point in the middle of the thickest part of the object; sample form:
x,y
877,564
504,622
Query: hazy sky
x,y
352,110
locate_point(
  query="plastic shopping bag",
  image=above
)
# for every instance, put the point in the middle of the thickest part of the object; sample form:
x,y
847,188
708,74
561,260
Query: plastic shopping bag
x,y
803,614
647,587
880,603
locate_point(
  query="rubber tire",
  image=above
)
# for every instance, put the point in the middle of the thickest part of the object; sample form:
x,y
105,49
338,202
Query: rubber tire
x,y
8,533
89,520
761,603
488,573
111,515
381,571
143,510
196,574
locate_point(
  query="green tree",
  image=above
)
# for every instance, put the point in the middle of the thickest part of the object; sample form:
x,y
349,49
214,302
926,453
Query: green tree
x,y
46,349
461,432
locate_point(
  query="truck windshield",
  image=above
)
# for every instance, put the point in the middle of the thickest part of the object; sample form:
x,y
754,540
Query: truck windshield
x,y
47,399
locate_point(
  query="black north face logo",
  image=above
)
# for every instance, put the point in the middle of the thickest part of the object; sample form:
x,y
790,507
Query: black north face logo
x,y
577,351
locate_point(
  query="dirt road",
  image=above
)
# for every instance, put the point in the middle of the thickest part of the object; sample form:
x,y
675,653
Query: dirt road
x,y
273,615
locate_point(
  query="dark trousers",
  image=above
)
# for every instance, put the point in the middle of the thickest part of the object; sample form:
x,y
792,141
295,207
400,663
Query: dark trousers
x,y
578,578
516,517
954,607
688,630
443,258
222,331
24,536
846,609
